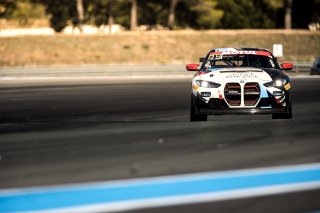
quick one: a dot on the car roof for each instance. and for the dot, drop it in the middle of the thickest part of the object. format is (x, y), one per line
(240, 48)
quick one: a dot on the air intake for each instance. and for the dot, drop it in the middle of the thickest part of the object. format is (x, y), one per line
(251, 94)
(232, 94)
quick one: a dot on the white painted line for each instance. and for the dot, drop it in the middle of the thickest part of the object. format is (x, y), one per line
(166, 179)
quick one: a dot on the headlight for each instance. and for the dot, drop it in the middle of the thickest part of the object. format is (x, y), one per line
(276, 83)
(280, 82)
(207, 84)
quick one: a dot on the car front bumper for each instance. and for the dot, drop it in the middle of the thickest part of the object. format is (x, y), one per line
(220, 107)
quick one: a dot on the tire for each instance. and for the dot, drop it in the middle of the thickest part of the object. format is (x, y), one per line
(194, 115)
(286, 115)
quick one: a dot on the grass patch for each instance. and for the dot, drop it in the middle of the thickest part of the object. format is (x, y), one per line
(145, 47)
(127, 47)
(150, 47)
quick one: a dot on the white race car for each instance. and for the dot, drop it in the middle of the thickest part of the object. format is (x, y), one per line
(240, 81)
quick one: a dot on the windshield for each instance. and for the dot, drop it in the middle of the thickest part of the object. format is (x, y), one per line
(245, 60)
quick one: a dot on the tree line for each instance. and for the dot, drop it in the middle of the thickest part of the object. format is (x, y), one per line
(174, 14)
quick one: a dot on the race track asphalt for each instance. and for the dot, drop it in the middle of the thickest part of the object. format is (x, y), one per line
(74, 132)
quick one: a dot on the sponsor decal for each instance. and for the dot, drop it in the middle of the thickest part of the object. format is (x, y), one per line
(287, 86)
(240, 52)
(233, 92)
(218, 57)
(215, 56)
(195, 87)
(241, 75)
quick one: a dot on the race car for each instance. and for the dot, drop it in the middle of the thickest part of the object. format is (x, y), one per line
(240, 81)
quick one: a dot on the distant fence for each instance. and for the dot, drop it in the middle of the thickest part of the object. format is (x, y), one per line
(302, 68)
(166, 70)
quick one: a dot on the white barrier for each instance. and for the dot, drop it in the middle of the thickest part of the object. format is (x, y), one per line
(27, 31)
(87, 30)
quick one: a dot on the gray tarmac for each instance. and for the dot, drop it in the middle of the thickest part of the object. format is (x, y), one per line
(84, 131)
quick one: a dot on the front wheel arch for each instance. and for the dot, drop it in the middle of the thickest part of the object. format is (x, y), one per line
(194, 112)
(285, 115)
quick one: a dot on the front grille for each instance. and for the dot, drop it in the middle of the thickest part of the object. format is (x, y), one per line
(251, 94)
(232, 94)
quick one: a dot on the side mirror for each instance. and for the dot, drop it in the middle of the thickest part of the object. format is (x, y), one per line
(192, 67)
(286, 66)
(201, 59)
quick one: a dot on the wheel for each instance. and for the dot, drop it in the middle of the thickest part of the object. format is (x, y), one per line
(286, 115)
(194, 115)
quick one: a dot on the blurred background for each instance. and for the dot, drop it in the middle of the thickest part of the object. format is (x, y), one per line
(152, 32)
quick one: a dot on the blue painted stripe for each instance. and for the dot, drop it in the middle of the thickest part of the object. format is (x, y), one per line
(264, 92)
(87, 194)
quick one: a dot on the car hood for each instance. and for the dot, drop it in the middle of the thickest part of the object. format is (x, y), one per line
(238, 73)
(275, 73)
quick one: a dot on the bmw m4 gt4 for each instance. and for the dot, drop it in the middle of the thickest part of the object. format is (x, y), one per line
(240, 81)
